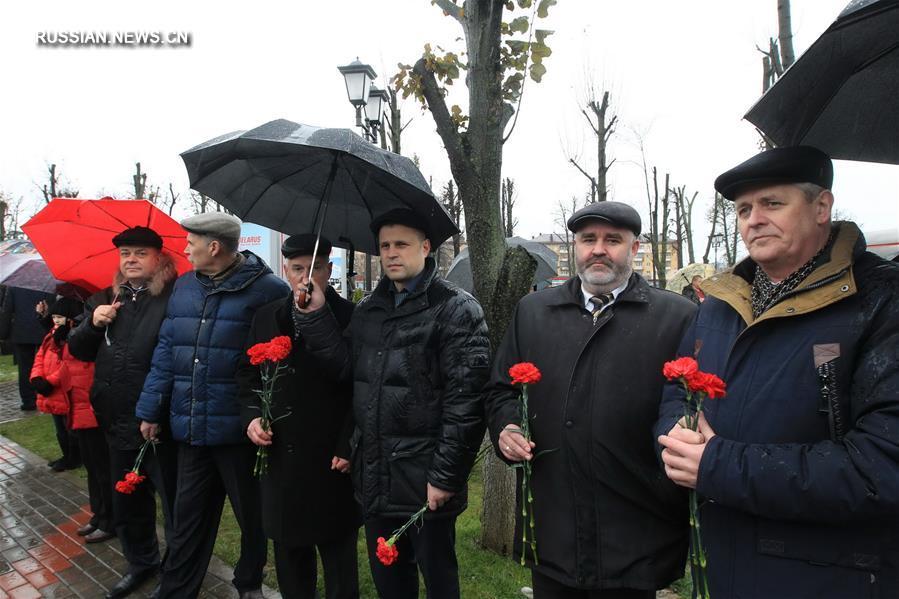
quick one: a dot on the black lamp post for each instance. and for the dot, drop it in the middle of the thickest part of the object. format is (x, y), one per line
(358, 78)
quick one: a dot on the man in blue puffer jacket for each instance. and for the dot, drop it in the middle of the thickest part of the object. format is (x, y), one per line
(192, 387)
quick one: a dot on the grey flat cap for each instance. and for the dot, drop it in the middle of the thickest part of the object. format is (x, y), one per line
(214, 224)
(615, 213)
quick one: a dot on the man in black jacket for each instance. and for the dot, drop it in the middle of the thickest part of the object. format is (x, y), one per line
(119, 334)
(608, 522)
(419, 358)
(307, 495)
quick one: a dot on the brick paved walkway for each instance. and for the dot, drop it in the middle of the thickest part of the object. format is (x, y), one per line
(40, 554)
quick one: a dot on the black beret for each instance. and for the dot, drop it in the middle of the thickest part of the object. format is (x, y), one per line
(303, 245)
(793, 164)
(399, 216)
(615, 213)
(143, 237)
(66, 306)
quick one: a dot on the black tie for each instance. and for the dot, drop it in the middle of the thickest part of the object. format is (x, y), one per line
(599, 302)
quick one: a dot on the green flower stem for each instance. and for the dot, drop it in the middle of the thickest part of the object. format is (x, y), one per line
(697, 553)
(399, 531)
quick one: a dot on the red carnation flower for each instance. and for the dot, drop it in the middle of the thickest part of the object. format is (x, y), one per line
(387, 552)
(524, 373)
(134, 478)
(123, 486)
(273, 351)
(682, 367)
(707, 383)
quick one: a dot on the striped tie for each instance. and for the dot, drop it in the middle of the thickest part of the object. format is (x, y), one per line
(599, 302)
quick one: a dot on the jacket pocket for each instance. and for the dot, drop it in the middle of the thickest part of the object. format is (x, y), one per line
(408, 462)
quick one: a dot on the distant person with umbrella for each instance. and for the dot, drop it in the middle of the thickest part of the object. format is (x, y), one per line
(307, 494)
(25, 332)
(798, 463)
(192, 390)
(419, 358)
(119, 333)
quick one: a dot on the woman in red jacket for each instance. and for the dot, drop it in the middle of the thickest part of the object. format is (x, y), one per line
(63, 385)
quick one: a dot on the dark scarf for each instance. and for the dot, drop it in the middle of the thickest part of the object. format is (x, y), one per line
(766, 293)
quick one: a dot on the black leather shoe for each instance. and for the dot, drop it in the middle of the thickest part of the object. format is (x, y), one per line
(98, 536)
(85, 530)
(129, 583)
(254, 594)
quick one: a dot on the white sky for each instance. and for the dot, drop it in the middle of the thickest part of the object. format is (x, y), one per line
(681, 73)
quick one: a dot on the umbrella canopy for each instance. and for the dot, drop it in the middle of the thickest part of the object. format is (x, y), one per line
(842, 95)
(460, 269)
(294, 178)
(74, 237)
(31, 274)
(684, 276)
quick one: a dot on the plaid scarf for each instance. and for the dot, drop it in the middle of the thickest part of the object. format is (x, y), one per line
(766, 293)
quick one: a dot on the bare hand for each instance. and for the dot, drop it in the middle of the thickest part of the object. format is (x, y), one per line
(41, 307)
(314, 299)
(340, 464)
(437, 497)
(683, 452)
(257, 434)
(149, 431)
(105, 314)
(513, 444)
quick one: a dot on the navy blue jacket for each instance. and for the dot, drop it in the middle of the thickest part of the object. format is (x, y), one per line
(26, 327)
(801, 481)
(199, 350)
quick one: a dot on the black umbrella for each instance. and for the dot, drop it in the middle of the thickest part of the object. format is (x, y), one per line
(460, 269)
(300, 179)
(842, 95)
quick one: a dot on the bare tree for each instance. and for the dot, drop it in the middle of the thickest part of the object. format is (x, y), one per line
(201, 204)
(507, 200)
(173, 199)
(659, 214)
(683, 208)
(724, 231)
(10, 210)
(53, 187)
(453, 204)
(779, 56)
(563, 213)
(602, 123)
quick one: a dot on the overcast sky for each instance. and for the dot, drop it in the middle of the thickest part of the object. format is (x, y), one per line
(682, 75)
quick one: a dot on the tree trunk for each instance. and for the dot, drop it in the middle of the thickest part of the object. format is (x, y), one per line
(785, 33)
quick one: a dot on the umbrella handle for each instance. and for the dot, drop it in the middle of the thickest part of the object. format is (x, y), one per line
(304, 296)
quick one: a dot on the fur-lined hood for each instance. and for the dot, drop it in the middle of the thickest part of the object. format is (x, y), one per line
(163, 275)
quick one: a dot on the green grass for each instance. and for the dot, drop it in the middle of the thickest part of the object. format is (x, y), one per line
(483, 574)
(8, 371)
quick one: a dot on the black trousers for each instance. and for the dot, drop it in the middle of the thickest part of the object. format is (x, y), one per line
(68, 441)
(297, 570)
(95, 455)
(430, 547)
(135, 514)
(547, 588)
(205, 476)
(24, 355)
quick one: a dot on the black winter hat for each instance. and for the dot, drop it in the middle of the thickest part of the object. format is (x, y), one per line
(66, 306)
(303, 245)
(399, 216)
(138, 237)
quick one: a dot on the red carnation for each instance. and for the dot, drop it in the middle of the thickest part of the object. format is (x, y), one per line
(134, 478)
(123, 486)
(682, 367)
(387, 552)
(524, 373)
(273, 351)
(707, 383)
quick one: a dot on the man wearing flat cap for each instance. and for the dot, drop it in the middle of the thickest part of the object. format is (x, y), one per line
(192, 390)
(307, 495)
(418, 357)
(118, 333)
(798, 465)
(608, 522)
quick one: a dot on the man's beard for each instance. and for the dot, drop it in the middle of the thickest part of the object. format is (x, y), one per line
(608, 279)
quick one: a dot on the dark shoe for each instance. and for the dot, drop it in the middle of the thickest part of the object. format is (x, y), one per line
(71, 465)
(25, 408)
(85, 530)
(254, 594)
(58, 466)
(129, 583)
(54, 462)
(98, 536)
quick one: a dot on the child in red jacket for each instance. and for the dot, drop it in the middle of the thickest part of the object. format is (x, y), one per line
(63, 385)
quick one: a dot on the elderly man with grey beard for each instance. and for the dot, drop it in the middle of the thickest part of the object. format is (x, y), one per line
(608, 523)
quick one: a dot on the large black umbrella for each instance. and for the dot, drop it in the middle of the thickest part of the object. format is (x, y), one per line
(460, 269)
(842, 95)
(296, 178)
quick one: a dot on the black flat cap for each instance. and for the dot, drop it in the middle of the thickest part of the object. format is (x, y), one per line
(615, 213)
(142, 237)
(399, 216)
(304, 245)
(792, 164)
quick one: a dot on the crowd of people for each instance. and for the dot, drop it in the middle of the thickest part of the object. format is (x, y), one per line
(384, 405)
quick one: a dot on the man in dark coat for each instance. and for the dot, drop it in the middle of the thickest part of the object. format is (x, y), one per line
(799, 463)
(192, 388)
(419, 358)
(307, 494)
(25, 333)
(608, 523)
(119, 332)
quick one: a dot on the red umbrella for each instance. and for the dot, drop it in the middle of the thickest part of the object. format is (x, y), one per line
(75, 237)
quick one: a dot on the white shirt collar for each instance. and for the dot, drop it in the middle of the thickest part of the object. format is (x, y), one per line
(615, 293)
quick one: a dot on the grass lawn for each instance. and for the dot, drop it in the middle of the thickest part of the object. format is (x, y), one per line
(483, 574)
(8, 371)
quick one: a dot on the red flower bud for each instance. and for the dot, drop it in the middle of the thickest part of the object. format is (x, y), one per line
(524, 373)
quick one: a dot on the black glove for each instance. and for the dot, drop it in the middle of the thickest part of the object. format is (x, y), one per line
(41, 385)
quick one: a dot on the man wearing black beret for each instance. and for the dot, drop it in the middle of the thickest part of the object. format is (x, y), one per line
(418, 357)
(608, 524)
(307, 495)
(797, 465)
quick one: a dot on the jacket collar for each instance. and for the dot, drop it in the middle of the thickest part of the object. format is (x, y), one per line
(829, 282)
(417, 299)
(637, 291)
(252, 268)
